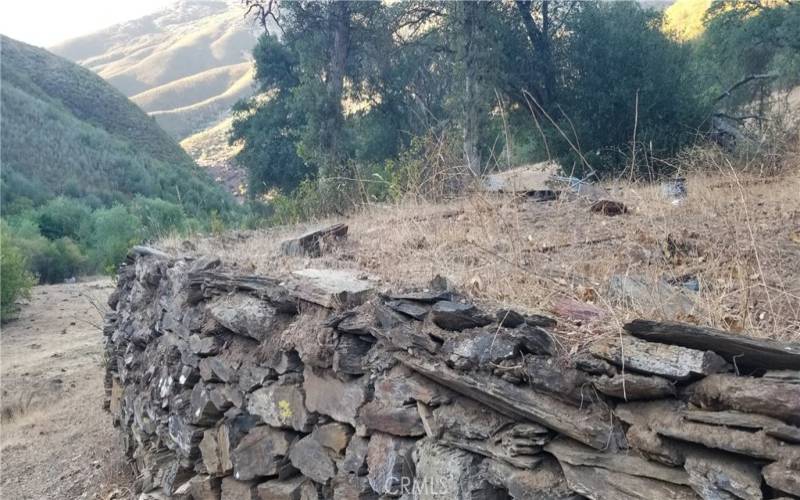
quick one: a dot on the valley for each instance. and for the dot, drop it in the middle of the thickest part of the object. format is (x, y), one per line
(185, 66)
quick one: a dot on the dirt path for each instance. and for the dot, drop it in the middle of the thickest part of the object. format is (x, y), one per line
(56, 439)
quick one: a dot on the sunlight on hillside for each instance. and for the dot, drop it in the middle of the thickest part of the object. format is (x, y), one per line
(684, 18)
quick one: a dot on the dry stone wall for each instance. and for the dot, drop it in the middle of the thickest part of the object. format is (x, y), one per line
(315, 385)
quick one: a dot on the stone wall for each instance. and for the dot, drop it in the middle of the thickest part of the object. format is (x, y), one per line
(320, 385)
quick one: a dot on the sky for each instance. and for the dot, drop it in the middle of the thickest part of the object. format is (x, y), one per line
(48, 22)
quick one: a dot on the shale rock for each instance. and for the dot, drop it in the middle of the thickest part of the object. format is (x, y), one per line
(457, 316)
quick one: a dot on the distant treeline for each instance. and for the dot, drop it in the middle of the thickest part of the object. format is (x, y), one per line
(377, 91)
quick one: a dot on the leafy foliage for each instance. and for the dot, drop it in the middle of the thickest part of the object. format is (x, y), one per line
(518, 81)
(67, 132)
(623, 79)
(15, 278)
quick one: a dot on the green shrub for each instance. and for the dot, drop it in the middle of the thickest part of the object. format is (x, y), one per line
(63, 218)
(114, 231)
(15, 278)
(624, 76)
(158, 217)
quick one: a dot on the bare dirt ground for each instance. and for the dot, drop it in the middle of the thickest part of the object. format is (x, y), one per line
(56, 439)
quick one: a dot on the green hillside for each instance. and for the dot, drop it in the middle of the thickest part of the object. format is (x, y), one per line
(185, 65)
(65, 131)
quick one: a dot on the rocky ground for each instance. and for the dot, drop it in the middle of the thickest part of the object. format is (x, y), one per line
(56, 440)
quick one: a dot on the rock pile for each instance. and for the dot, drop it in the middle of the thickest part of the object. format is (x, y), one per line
(318, 386)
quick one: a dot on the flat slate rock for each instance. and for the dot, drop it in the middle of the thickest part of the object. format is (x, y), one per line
(665, 417)
(652, 297)
(456, 316)
(748, 394)
(719, 475)
(771, 426)
(312, 243)
(669, 361)
(574, 453)
(630, 386)
(746, 352)
(589, 424)
(782, 477)
(426, 297)
(409, 308)
(331, 288)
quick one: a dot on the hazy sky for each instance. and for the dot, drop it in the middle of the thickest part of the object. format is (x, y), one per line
(47, 22)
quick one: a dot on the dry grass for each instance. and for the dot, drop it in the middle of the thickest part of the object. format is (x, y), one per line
(740, 236)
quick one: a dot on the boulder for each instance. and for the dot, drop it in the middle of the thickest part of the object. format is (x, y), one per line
(544, 482)
(355, 456)
(349, 354)
(719, 475)
(334, 436)
(349, 487)
(409, 308)
(475, 428)
(204, 487)
(608, 476)
(233, 489)
(587, 424)
(286, 489)
(783, 477)
(665, 418)
(649, 297)
(443, 472)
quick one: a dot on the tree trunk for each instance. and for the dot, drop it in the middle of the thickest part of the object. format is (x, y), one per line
(539, 37)
(471, 125)
(332, 134)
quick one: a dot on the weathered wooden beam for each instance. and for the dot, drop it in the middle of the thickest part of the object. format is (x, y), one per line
(743, 351)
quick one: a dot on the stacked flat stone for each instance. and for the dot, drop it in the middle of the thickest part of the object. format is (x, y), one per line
(314, 385)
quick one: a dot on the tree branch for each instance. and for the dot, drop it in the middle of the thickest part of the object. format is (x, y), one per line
(744, 81)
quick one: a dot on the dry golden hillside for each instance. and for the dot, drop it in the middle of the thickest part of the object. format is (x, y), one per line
(185, 65)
